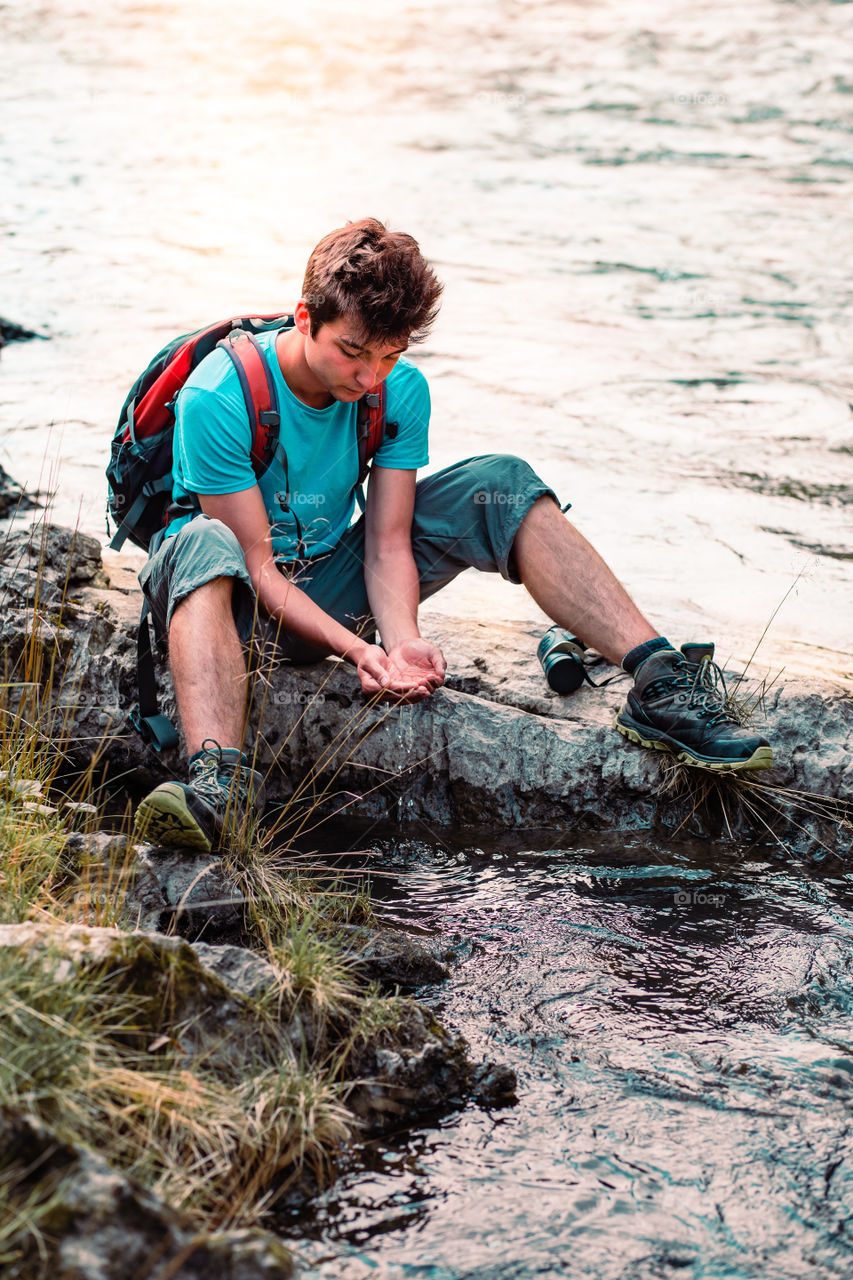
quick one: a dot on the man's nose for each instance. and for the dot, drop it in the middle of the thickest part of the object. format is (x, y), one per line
(368, 373)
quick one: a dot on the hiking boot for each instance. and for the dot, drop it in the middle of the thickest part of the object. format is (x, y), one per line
(678, 704)
(220, 795)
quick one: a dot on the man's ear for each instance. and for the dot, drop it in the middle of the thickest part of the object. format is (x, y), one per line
(302, 318)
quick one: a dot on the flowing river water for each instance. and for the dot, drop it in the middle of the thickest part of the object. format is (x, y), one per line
(680, 1024)
(641, 212)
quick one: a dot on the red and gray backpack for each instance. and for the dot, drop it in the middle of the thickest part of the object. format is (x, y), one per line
(140, 467)
(139, 473)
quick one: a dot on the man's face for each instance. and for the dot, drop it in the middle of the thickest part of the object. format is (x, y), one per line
(346, 362)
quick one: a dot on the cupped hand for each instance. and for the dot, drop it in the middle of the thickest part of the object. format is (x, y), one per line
(408, 673)
(418, 659)
(379, 676)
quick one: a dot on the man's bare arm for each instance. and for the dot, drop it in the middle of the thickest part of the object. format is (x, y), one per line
(245, 514)
(391, 575)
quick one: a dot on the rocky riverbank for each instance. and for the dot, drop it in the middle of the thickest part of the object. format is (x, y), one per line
(495, 746)
(209, 1024)
(158, 1096)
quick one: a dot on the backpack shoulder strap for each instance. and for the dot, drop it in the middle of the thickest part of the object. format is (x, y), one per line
(259, 392)
(372, 426)
(146, 717)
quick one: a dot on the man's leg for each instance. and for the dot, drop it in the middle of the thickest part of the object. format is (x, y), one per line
(494, 513)
(208, 666)
(571, 583)
(199, 590)
(528, 540)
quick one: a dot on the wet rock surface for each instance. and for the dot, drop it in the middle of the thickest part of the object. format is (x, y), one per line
(393, 958)
(494, 743)
(418, 1064)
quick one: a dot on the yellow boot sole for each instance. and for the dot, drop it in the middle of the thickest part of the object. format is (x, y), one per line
(761, 758)
(163, 817)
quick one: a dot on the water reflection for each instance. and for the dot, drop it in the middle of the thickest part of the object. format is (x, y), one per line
(679, 1019)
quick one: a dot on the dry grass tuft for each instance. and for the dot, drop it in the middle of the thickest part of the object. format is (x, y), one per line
(738, 806)
(76, 1053)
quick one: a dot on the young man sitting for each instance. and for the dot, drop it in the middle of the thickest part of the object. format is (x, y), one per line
(281, 554)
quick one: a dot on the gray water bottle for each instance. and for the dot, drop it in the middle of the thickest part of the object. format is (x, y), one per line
(561, 655)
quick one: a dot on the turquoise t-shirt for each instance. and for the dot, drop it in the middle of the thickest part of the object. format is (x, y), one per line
(213, 439)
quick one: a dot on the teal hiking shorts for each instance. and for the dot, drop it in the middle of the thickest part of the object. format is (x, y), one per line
(466, 516)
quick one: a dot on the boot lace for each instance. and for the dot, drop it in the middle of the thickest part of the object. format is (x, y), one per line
(219, 781)
(704, 690)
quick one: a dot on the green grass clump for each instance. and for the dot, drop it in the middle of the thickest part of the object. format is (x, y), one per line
(33, 865)
(217, 1137)
(304, 927)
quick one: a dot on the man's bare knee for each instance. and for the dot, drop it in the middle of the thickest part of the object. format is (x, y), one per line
(213, 594)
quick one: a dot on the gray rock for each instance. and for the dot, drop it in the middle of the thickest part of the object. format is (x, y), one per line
(99, 1225)
(198, 899)
(391, 958)
(494, 1085)
(50, 558)
(164, 891)
(412, 1066)
(416, 1066)
(494, 747)
(241, 970)
(12, 497)
(176, 995)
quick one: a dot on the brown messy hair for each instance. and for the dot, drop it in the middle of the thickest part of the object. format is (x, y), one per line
(377, 277)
